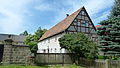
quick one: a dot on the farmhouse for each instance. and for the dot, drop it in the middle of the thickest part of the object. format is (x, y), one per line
(79, 21)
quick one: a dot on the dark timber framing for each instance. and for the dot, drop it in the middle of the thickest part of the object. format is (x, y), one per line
(79, 21)
(85, 23)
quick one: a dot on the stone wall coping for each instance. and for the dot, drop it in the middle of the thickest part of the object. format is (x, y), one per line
(21, 45)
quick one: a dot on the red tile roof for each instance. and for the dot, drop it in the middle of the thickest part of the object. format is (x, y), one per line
(98, 26)
(61, 26)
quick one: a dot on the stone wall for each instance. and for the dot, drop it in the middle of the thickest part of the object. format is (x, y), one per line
(14, 50)
(16, 54)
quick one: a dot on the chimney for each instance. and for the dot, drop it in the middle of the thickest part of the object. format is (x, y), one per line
(67, 15)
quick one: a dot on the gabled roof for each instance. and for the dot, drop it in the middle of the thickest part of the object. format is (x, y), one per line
(61, 26)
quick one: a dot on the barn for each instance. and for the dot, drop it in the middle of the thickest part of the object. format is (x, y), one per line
(79, 21)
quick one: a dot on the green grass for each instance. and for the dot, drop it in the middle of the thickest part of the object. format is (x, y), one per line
(66, 66)
(53, 66)
(17, 66)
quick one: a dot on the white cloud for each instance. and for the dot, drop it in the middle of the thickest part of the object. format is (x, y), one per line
(12, 19)
(93, 7)
(43, 7)
(96, 8)
(102, 17)
(13, 12)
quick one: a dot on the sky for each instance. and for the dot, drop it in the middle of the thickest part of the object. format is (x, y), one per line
(16, 16)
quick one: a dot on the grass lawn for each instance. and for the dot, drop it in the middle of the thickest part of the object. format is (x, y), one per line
(55, 66)
(17, 66)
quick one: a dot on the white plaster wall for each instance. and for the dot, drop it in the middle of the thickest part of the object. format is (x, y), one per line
(52, 44)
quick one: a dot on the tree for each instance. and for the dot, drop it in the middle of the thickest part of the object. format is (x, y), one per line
(38, 34)
(32, 40)
(25, 33)
(79, 44)
(115, 12)
(109, 32)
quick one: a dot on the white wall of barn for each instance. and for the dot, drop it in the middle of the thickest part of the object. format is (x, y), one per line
(51, 45)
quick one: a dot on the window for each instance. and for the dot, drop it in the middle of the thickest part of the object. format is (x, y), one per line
(78, 23)
(55, 50)
(87, 29)
(71, 28)
(55, 39)
(78, 29)
(83, 13)
(51, 50)
(79, 17)
(74, 23)
(48, 40)
(44, 51)
(75, 20)
(82, 29)
(91, 26)
(94, 35)
(86, 18)
(70, 32)
(80, 13)
(87, 24)
(93, 31)
(82, 24)
(82, 17)
(75, 32)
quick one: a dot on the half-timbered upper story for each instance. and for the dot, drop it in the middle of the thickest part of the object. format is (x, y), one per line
(79, 21)
(83, 23)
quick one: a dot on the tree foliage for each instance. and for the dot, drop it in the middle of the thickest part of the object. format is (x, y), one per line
(109, 32)
(32, 40)
(115, 12)
(25, 33)
(79, 44)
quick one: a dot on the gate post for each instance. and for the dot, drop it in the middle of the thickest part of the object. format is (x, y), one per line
(107, 63)
(7, 53)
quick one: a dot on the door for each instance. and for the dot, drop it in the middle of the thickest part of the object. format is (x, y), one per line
(1, 52)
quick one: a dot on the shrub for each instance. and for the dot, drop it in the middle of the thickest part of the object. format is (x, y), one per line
(103, 57)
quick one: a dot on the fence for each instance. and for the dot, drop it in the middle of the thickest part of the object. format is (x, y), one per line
(68, 58)
(114, 64)
(53, 58)
(99, 63)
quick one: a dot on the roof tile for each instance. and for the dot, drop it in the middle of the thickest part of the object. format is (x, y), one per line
(61, 26)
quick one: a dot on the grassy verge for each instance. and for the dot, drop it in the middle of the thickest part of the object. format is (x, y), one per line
(17, 66)
(53, 66)
(66, 66)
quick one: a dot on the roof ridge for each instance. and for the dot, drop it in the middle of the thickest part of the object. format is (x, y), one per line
(61, 26)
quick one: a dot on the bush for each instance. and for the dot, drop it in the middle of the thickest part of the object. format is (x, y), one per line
(114, 58)
(80, 44)
(103, 57)
(118, 58)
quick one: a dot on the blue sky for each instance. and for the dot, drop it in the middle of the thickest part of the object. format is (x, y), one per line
(17, 16)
